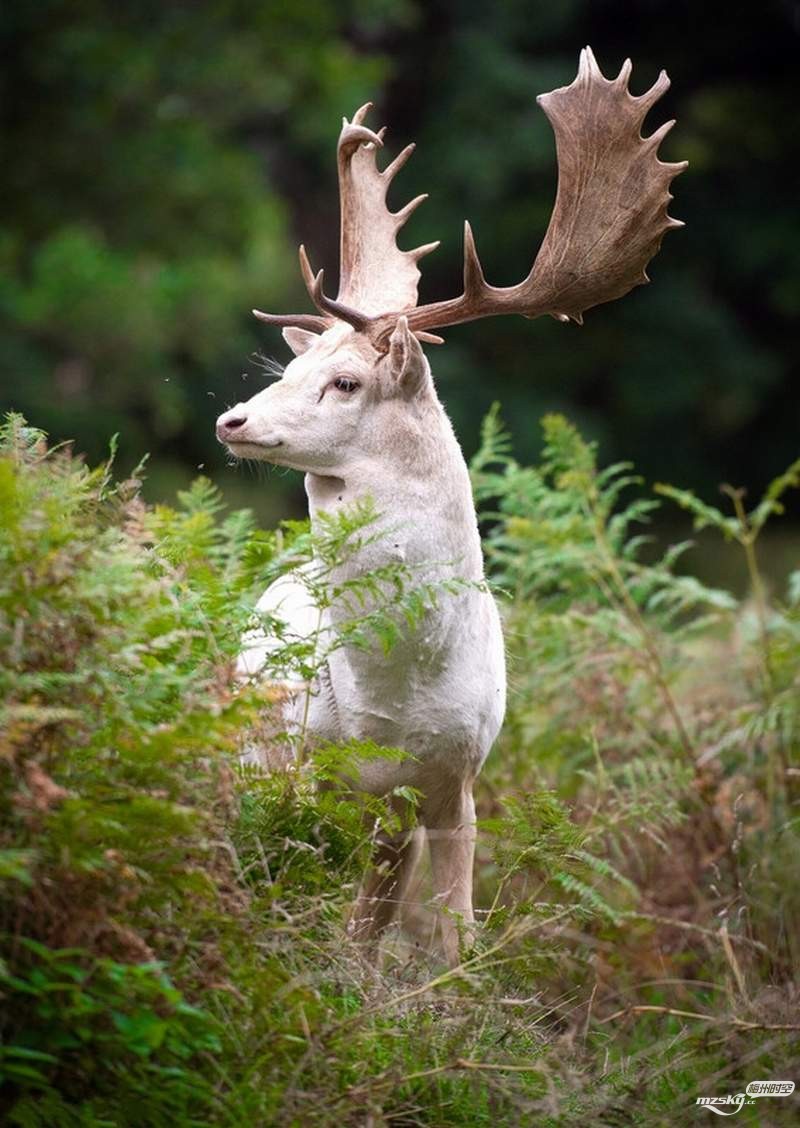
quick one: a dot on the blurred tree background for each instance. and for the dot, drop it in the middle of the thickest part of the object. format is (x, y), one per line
(163, 159)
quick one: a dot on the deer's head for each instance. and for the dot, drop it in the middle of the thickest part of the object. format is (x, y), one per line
(358, 362)
(339, 401)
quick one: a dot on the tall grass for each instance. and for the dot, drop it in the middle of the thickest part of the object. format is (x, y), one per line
(171, 924)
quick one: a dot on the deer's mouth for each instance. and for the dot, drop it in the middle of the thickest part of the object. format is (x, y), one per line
(249, 448)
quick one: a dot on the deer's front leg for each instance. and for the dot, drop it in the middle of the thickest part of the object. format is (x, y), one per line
(449, 818)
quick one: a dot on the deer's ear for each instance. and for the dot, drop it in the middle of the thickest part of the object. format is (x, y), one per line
(299, 340)
(407, 361)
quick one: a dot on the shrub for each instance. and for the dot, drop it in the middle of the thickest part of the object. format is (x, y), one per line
(171, 923)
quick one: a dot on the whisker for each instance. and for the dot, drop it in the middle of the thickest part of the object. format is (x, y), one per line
(271, 367)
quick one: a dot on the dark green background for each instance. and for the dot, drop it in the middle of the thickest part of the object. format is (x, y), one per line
(162, 160)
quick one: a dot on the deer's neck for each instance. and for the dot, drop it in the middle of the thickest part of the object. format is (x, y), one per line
(418, 481)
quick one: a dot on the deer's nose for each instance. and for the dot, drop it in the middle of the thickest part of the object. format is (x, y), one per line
(231, 422)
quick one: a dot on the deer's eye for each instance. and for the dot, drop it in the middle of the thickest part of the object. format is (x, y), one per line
(346, 384)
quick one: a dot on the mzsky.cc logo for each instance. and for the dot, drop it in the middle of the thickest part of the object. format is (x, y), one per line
(732, 1103)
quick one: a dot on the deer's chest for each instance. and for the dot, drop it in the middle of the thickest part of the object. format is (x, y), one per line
(440, 693)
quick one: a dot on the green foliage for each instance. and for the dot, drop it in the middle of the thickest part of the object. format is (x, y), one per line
(295, 831)
(121, 1032)
(139, 229)
(172, 942)
(652, 720)
(537, 834)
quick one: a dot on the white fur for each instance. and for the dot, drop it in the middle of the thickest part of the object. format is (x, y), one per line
(440, 693)
(288, 600)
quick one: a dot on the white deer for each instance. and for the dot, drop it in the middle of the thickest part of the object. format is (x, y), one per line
(358, 412)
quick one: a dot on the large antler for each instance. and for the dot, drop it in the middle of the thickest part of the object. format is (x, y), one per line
(375, 275)
(609, 218)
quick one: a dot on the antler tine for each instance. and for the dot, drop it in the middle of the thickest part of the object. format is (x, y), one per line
(658, 135)
(651, 96)
(408, 209)
(587, 65)
(297, 320)
(331, 310)
(306, 271)
(425, 249)
(477, 296)
(474, 280)
(360, 114)
(354, 133)
(394, 166)
(624, 74)
(334, 309)
(338, 309)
